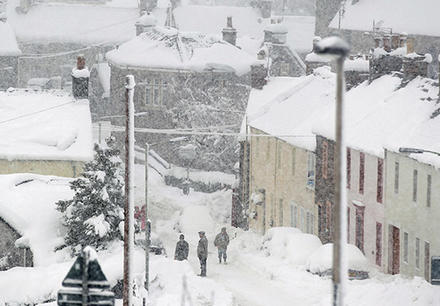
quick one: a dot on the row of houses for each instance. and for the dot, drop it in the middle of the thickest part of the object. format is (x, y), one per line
(287, 163)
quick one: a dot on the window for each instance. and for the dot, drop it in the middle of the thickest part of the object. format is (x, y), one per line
(417, 253)
(379, 193)
(378, 244)
(396, 177)
(428, 190)
(361, 172)
(348, 168)
(284, 69)
(348, 224)
(302, 219)
(294, 215)
(311, 170)
(268, 148)
(154, 92)
(405, 247)
(293, 160)
(359, 242)
(279, 156)
(312, 224)
(414, 186)
(280, 213)
(308, 222)
(324, 165)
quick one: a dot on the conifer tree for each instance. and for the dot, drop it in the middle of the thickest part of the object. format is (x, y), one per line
(94, 214)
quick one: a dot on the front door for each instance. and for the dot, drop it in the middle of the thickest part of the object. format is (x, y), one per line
(395, 250)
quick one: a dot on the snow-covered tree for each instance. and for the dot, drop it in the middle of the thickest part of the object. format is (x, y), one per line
(94, 214)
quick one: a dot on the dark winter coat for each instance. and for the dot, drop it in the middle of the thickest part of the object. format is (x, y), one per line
(202, 248)
(182, 249)
(221, 240)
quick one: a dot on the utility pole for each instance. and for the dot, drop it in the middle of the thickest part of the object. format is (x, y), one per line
(127, 293)
(147, 222)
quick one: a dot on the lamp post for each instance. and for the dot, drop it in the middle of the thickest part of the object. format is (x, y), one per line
(338, 49)
(416, 151)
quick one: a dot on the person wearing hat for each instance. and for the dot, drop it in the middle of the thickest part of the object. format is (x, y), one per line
(221, 242)
(182, 249)
(202, 252)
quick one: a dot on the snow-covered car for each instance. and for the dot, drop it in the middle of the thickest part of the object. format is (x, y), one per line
(320, 262)
(156, 244)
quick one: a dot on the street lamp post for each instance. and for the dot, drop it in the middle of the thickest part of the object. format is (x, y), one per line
(338, 49)
(416, 151)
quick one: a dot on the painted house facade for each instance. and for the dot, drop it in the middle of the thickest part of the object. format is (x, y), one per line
(412, 213)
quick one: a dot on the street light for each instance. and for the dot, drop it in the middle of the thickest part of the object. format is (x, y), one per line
(147, 221)
(337, 49)
(416, 151)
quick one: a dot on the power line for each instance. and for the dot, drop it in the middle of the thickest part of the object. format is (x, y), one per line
(34, 113)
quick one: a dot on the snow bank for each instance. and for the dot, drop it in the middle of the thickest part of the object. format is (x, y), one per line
(44, 126)
(207, 177)
(290, 244)
(321, 259)
(27, 203)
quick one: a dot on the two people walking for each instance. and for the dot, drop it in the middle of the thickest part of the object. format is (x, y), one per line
(221, 242)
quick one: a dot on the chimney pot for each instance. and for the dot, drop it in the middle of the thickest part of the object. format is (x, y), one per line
(80, 79)
(229, 22)
(229, 33)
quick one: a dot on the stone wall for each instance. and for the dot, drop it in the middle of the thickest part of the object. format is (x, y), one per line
(8, 72)
(10, 256)
(44, 167)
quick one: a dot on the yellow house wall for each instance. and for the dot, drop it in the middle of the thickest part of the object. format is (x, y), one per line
(44, 167)
(271, 169)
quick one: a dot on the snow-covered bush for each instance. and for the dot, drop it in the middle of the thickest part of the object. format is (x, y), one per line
(290, 244)
(93, 215)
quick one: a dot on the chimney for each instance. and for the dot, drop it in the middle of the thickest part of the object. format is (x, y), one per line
(403, 38)
(258, 75)
(395, 41)
(387, 42)
(265, 8)
(80, 79)
(145, 23)
(229, 33)
(276, 32)
(415, 65)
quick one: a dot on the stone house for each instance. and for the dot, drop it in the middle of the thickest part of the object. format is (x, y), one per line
(174, 71)
(359, 21)
(56, 140)
(51, 35)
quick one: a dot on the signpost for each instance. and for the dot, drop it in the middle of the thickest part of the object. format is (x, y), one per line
(85, 284)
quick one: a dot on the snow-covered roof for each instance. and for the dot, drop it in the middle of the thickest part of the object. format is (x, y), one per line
(287, 106)
(27, 203)
(8, 46)
(44, 126)
(109, 22)
(168, 48)
(413, 17)
(381, 115)
(246, 20)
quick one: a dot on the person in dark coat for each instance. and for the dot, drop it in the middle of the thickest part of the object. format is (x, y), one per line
(182, 249)
(202, 253)
(221, 242)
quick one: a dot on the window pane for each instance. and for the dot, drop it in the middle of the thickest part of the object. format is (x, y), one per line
(415, 185)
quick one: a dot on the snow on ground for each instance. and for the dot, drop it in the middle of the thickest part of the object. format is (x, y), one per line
(261, 270)
(59, 128)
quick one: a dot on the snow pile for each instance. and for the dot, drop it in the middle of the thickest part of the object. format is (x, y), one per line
(27, 203)
(44, 126)
(400, 15)
(170, 49)
(290, 244)
(98, 225)
(318, 58)
(321, 259)
(357, 64)
(8, 46)
(190, 214)
(81, 73)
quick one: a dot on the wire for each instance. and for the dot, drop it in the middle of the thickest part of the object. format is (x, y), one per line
(34, 113)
